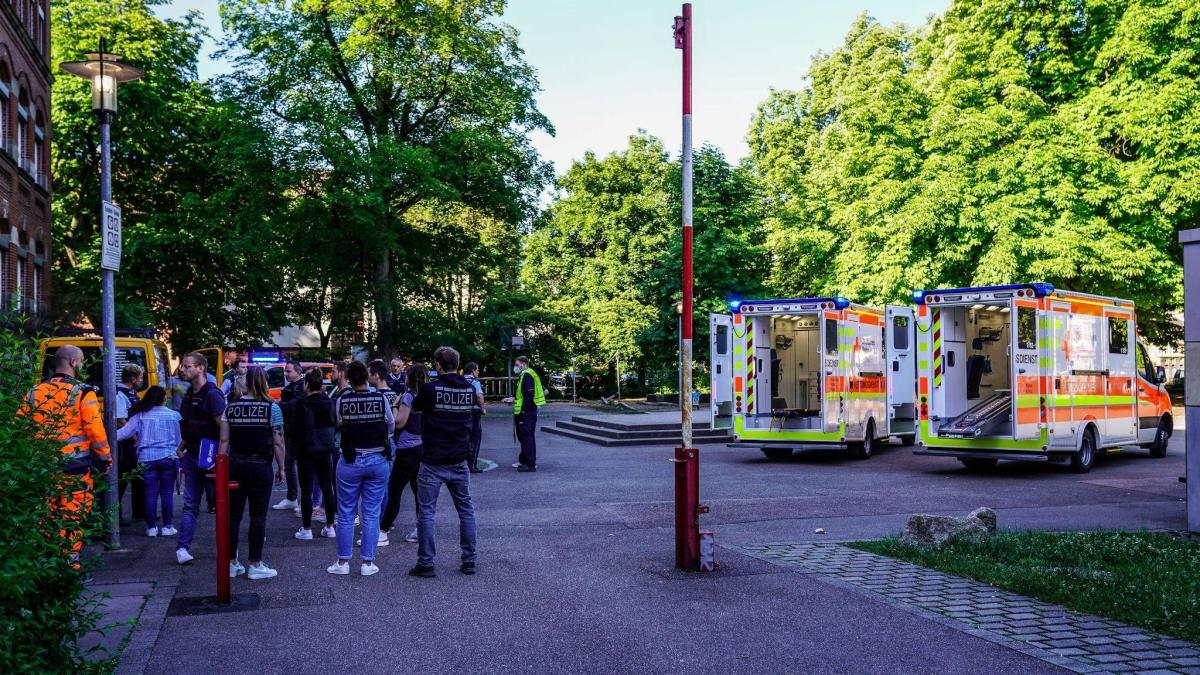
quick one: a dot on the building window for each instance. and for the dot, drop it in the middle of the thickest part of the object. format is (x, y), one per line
(35, 295)
(39, 140)
(19, 287)
(22, 129)
(4, 277)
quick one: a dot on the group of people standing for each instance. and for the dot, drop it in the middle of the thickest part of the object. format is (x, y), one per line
(380, 431)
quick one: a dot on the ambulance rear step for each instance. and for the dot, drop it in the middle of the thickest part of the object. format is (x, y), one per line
(982, 420)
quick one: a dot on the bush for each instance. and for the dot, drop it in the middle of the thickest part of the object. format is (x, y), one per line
(44, 606)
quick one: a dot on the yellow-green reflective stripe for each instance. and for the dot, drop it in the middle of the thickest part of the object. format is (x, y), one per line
(870, 394)
(1093, 400)
(922, 345)
(1028, 401)
(1045, 362)
(923, 364)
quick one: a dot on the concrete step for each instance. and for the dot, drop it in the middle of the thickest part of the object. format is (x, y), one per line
(634, 426)
(642, 432)
(633, 439)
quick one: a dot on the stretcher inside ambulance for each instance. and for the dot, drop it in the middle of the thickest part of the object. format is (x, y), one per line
(798, 371)
(1032, 372)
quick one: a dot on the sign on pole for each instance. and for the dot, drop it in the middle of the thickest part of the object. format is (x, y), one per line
(110, 236)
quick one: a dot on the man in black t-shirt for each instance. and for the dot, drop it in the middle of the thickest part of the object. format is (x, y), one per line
(445, 406)
(202, 409)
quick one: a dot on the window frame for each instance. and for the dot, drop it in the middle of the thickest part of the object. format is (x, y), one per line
(1022, 314)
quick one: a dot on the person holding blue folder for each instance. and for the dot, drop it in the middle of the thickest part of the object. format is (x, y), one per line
(203, 424)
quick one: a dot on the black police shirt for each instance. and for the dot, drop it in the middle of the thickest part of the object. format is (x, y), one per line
(445, 406)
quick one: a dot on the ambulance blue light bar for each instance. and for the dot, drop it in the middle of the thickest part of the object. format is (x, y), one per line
(1038, 288)
(792, 305)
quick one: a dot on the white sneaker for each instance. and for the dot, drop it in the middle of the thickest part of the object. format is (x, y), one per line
(383, 539)
(304, 534)
(151, 531)
(285, 504)
(260, 570)
(296, 512)
(168, 531)
(236, 569)
(183, 557)
(357, 521)
(368, 568)
(329, 532)
(412, 536)
(516, 465)
(339, 568)
(318, 515)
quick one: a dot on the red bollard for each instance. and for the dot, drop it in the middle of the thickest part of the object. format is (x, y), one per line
(223, 486)
(687, 509)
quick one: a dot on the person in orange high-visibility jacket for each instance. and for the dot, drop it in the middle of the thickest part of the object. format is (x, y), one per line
(69, 409)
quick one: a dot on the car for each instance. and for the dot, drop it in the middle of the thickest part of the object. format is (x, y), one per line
(276, 380)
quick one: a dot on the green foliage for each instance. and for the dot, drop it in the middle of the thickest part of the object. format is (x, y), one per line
(1002, 142)
(195, 179)
(44, 608)
(1147, 579)
(606, 255)
(408, 125)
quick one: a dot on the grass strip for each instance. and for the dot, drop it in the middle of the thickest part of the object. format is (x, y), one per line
(1146, 579)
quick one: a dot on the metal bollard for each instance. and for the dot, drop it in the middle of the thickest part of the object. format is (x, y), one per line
(223, 487)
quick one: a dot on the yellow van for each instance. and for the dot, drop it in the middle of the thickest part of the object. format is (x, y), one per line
(140, 347)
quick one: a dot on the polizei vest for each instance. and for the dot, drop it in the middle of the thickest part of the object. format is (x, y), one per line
(250, 432)
(364, 422)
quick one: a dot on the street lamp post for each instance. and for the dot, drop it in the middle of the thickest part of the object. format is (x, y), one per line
(105, 70)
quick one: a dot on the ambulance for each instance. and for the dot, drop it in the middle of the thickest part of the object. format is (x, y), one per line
(1031, 372)
(801, 371)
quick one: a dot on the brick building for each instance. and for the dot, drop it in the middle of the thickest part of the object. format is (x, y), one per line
(25, 156)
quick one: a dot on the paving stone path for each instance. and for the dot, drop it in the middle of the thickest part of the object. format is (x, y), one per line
(1066, 638)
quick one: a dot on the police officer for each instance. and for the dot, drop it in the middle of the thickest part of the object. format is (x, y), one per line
(366, 423)
(395, 376)
(445, 406)
(471, 375)
(252, 436)
(530, 397)
(67, 410)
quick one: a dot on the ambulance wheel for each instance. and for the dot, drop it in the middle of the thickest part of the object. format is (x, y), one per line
(777, 453)
(978, 463)
(1158, 449)
(1085, 456)
(863, 449)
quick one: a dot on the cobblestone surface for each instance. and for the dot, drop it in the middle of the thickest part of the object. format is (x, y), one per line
(1076, 641)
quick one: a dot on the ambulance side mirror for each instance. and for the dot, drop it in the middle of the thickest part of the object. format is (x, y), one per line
(1160, 375)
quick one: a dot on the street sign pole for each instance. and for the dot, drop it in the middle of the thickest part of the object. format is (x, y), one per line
(108, 331)
(1190, 239)
(687, 458)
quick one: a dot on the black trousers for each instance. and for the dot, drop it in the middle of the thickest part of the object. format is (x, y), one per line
(318, 465)
(253, 477)
(476, 439)
(289, 470)
(127, 462)
(526, 423)
(404, 473)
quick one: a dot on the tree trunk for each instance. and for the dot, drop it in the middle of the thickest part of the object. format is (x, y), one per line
(385, 311)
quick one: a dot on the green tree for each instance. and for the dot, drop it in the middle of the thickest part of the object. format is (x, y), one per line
(385, 107)
(196, 182)
(1002, 142)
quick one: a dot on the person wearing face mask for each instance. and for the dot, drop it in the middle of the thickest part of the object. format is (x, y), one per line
(530, 396)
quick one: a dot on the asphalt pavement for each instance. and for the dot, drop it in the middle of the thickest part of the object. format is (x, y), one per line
(576, 568)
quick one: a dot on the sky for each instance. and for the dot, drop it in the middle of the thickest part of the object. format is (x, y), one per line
(609, 69)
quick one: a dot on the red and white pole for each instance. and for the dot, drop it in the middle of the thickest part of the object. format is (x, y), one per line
(687, 459)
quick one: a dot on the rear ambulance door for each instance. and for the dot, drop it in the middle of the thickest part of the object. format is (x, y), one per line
(1059, 400)
(1026, 370)
(721, 369)
(833, 380)
(1120, 401)
(900, 367)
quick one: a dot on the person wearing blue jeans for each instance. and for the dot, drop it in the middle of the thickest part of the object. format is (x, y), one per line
(202, 411)
(366, 423)
(156, 430)
(446, 406)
